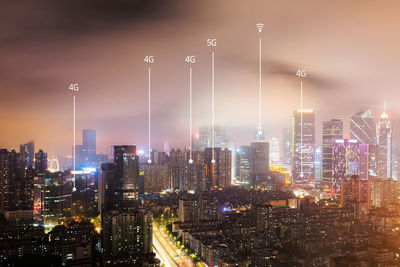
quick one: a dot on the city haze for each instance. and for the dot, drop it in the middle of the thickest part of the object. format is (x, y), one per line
(349, 49)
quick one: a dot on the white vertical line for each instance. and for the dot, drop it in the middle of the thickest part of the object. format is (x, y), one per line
(190, 111)
(212, 108)
(301, 129)
(74, 136)
(149, 113)
(259, 87)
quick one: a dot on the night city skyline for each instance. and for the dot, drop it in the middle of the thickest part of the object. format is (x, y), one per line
(199, 133)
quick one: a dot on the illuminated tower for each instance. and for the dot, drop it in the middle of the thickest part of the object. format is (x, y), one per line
(331, 130)
(259, 161)
(362, 126)
(384, 147)
(318, 164)
(242, 164)
(346, 160)
(41, 161)
(218, 174)
(27, 152)
(303, 142)
(395, 162)
(126, 175)
(274, 150)
(287, 148)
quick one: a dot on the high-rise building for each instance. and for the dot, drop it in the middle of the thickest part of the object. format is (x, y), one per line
(177, 163)
(127, 236)
(89, 145)
(318, 164)
(259, 161)
(107, 197)
(230, 145)
(261, 216)
(19, 185)
(331, 130)
(126, 175)
(384, 191)
(5, 176)
(54, 201)
(363, 168)
(346, 160)
(218, 165)
(204, 138)
(395, 162)
(40, 161)
(242, 164)
(356, 193)
(220, 136)
(303, 142)
(384, 147)
(274, 150)
(287, 148)
(27, 152)
(362, 126)
(156, 178)
(188, 210)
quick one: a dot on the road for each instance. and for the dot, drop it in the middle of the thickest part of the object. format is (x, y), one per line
(167, 251)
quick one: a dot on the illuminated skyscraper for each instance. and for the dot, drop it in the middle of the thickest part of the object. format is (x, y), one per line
(27, 152)
(126, 175)
(395, 162)
(274, 150)
(218, 174)
(287, 148)
(362, 126)
(384, 147)
(303, 146)
(364, 161)
(356, 193)
(318, 164)
(259, 161)
(41, 161)
(331, 130)
(5, 176)
(242, 164)
(346, 160)
(106, 183)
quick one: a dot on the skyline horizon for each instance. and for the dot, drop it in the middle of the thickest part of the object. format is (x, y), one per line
(160, 146)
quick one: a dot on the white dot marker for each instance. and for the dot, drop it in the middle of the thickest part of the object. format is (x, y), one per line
(149, 161)
(213, 161)
(73, 189)
(190, 161)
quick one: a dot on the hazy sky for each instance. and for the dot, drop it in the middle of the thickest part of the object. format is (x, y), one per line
(349, 48)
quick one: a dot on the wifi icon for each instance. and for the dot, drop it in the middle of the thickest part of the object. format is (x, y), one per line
(260, 26)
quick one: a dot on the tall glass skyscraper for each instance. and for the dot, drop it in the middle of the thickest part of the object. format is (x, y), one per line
(303, 146)
(259, 162)
(384, 147)
(287, 148)
(126, 176)
(346, 160)
(331, 130)
(362, 126)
